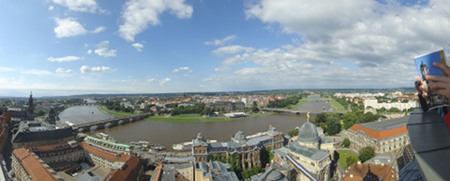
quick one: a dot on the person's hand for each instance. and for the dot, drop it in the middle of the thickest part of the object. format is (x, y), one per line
(421, 87)
(441, 84)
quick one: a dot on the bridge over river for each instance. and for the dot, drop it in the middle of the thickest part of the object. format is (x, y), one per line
(107, 123)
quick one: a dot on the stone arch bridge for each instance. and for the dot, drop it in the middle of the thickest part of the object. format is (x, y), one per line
(108, 123)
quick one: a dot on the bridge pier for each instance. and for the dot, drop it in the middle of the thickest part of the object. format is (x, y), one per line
(93, 126)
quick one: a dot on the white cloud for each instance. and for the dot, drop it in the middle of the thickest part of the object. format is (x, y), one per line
(89, 51)
(150, 80)
(64, 59)
(36, 72)
(223, 41)
(164, 81)
(87, 69)
(51, 8)
(336, 46)
(139, 14)
(232, 49)
(99, 29)
(78, 5)
(138, 46)
(61, 70)
(6, 69)
(68, 27)
(104, 50)
(185, 68)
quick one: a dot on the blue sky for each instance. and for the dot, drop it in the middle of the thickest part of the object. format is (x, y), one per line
(63, 47)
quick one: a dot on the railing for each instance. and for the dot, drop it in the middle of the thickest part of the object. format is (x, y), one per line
(430, 139)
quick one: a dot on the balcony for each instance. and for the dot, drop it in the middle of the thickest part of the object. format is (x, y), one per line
(430, 139)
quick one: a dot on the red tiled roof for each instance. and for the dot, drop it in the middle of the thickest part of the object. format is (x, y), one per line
(356, 172)
(104, 154)
(377, 134)
(32, 166)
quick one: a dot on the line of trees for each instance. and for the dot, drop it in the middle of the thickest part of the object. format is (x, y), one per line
(331, 122)
(116, 106)
(284, 102)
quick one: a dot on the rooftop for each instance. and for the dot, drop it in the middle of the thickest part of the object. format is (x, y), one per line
(311, 153)
(357, 172)
(386, 124)
(35, 169)
(36, 131)
(382, 129)
(104, 153)
(128, 171)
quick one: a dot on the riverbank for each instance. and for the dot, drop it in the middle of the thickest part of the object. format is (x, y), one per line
(193, 118)
(115, 113)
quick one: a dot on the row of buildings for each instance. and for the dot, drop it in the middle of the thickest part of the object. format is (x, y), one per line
(51, 162)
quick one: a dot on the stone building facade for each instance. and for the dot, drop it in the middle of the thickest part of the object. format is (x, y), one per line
(248, 148)
(59, 156)
(384, 136)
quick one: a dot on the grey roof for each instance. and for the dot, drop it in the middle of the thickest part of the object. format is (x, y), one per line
(271, 174)
(168, 173)
(219, 172)
(258, 140)
(312, 153)
(308, 133)
(178, 159)
(386, 124)
(33, 131)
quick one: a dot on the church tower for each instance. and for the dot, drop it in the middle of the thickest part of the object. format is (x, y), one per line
(30, 109)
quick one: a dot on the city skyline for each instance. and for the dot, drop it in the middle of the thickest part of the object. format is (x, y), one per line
(61, 47)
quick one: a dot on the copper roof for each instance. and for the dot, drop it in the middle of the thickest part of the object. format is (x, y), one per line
(357, 171)
(380, 134)
(114, 157)
(32, 166)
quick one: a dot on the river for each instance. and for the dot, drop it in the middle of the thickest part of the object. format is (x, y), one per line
(167, 134)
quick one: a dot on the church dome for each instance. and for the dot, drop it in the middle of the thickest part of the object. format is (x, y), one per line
(308, 133)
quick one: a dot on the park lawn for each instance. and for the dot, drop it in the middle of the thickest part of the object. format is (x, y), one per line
(336, 105)
(300, 103)
(115, 113)
(192, 118)
(343, 154)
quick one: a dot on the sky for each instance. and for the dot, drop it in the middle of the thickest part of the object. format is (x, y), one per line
(69, 47)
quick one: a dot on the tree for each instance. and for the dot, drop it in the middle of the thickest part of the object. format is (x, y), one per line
(333, 127)
(346, 143)
(293, 132)
(366, 153)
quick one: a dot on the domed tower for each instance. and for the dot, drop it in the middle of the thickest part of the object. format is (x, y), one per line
(308, 135)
